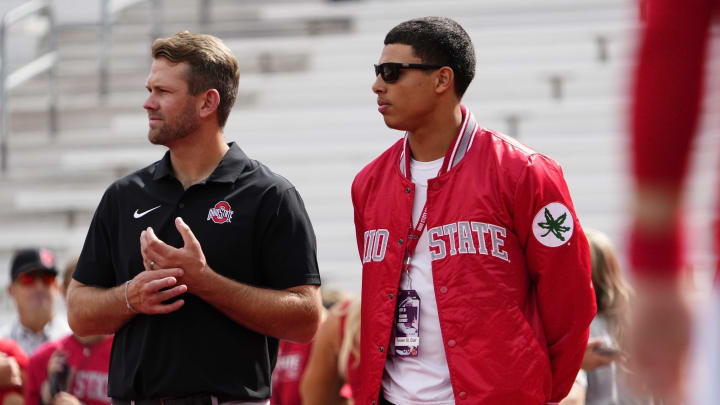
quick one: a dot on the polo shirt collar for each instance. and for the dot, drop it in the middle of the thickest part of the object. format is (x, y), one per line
(232, 165)
(163, 168)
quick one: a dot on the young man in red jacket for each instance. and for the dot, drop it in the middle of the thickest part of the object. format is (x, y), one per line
(476, 272)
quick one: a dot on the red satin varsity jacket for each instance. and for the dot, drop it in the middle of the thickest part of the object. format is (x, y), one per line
(510, 264)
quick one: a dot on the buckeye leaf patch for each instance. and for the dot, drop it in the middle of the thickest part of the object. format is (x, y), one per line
(553, 225)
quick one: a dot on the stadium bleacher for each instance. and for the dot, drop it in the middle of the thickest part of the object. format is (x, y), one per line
(551, 72)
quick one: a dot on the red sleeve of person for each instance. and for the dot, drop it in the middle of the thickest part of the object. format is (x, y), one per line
(12, 350)
(668, 91)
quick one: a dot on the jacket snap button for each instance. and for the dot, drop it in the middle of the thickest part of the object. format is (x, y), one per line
(390, 296)
(400, 242)
(372, 402)
(451, 343)
(382, 349)
(463, 395)
(443, 290)
(408, 190)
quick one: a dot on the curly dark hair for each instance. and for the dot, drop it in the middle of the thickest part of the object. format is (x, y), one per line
(439, 41)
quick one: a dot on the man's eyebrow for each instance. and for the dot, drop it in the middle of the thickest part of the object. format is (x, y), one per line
(158, 87)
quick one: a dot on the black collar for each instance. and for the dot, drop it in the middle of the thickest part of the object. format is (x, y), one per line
(232, 165)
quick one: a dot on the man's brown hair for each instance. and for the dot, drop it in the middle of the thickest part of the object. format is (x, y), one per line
(212, 66)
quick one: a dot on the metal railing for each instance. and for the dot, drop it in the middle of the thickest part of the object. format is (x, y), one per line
(49, 60)
(45, 62)
(108, 9)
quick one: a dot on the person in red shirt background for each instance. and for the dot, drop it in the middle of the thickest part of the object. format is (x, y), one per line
(72, 370)
(291, 362)
(668, 89)
(293, 359)
(332, 376)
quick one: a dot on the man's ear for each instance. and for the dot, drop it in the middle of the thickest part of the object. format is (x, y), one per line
(445, 80)
(11, 290)
(209, 103)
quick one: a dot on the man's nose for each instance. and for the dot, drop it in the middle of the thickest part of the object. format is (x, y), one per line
(150, 103)
(378, 85)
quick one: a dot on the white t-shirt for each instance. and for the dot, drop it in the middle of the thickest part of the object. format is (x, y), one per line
(424, 379)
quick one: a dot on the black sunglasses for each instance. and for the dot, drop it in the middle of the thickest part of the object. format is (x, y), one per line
(390, 71)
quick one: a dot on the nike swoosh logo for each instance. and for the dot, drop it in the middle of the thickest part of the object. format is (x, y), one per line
(137, 214)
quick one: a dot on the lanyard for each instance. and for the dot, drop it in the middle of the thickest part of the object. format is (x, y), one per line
(414, 233)
(466, 133)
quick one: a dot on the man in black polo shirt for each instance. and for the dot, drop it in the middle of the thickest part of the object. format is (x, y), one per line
(201, 261)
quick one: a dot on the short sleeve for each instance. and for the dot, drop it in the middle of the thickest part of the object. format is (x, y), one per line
(95, 265)
(288, 250)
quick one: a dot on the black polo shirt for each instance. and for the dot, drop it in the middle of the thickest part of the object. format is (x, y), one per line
(253, 228)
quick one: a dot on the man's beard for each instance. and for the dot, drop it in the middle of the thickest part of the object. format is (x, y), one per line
(185, 124)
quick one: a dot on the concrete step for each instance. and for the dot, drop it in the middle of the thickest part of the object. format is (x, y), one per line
(145, 32)
(37, 119)
(84, 111)
(40, 177)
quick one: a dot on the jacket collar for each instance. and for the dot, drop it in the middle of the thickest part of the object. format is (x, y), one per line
(458, 148)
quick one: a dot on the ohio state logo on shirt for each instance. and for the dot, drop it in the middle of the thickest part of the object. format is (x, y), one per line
(553, 225)
(221, 213)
